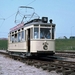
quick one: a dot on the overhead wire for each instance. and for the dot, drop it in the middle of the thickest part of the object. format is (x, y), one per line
(31, 2)
(10, 16)
(5, 19)
(1, 16)
(2, 23)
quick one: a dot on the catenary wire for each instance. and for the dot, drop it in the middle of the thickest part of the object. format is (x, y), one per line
(31, 2)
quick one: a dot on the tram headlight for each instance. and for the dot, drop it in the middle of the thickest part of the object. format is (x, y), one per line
(45, 19)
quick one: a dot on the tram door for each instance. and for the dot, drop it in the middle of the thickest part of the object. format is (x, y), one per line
(28, 40)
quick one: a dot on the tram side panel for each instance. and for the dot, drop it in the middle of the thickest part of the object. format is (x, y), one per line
(17, 47)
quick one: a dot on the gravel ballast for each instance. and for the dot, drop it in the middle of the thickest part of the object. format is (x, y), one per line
(9, 66)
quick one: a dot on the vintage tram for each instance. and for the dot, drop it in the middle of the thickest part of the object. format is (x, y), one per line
(36, 37)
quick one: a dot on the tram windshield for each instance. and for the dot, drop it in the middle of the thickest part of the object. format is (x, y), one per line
(44, 33)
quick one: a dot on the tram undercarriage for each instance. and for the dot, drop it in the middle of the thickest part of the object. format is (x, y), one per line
(28, 54)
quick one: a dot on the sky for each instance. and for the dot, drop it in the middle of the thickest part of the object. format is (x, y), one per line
(61, 11)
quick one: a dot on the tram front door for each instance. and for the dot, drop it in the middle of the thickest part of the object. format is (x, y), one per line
(28, 40)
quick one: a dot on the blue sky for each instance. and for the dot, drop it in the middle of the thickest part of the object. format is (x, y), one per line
(61, 11)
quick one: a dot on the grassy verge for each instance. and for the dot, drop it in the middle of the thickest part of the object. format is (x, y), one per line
(3, 44)
(65, 44)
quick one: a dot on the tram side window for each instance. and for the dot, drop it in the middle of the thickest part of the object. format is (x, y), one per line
(36, 33)
(25, 34)
(15, 37)
(22, 35)
(19, 36)
(12, 38)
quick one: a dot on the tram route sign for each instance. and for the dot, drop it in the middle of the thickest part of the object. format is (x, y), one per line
(16, 27)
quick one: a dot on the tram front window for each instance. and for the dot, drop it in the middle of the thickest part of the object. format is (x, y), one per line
(36, 33)
(44, 33)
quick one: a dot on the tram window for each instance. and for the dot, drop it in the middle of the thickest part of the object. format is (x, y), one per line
(15, 37)
(12, 38)
(22, 35)
(31, 33)
(25, 34)
(44, 33)
(53, 33)
(36, 33)
(19, 36)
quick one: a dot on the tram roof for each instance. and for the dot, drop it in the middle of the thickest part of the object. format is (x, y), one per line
(32, 22)
(39, 23)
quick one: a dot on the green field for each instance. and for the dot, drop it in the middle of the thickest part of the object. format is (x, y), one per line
(60, 44)
(3, 44)
(65, 44)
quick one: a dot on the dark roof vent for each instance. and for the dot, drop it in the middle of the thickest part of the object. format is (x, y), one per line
(45, 19)
(50, 20)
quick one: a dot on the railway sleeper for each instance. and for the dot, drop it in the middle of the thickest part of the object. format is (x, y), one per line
(73, 73)
(73, 70)
(72, 67)
(19, 59)
(23, 60)
(66, 65)
(31, 63)
(59, 69)
(51, 67)
(67, 71)
(64, 62)
(44, 67)
(44, 64)
(37, 65)
(28, 62)
(15, 58)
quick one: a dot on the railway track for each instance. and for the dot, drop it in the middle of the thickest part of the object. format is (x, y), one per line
(49, 64)
(70, 54)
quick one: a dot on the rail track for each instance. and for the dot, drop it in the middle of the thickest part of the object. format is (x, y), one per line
(58, 64)
(70, 54)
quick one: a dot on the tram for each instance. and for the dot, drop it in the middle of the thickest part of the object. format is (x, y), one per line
(33, 38)
(36, 37)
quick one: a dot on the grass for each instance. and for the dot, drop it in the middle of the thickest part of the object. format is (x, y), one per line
(65, 44)
(3, 44)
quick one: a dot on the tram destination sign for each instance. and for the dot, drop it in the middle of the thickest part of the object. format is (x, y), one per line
(17, 27)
